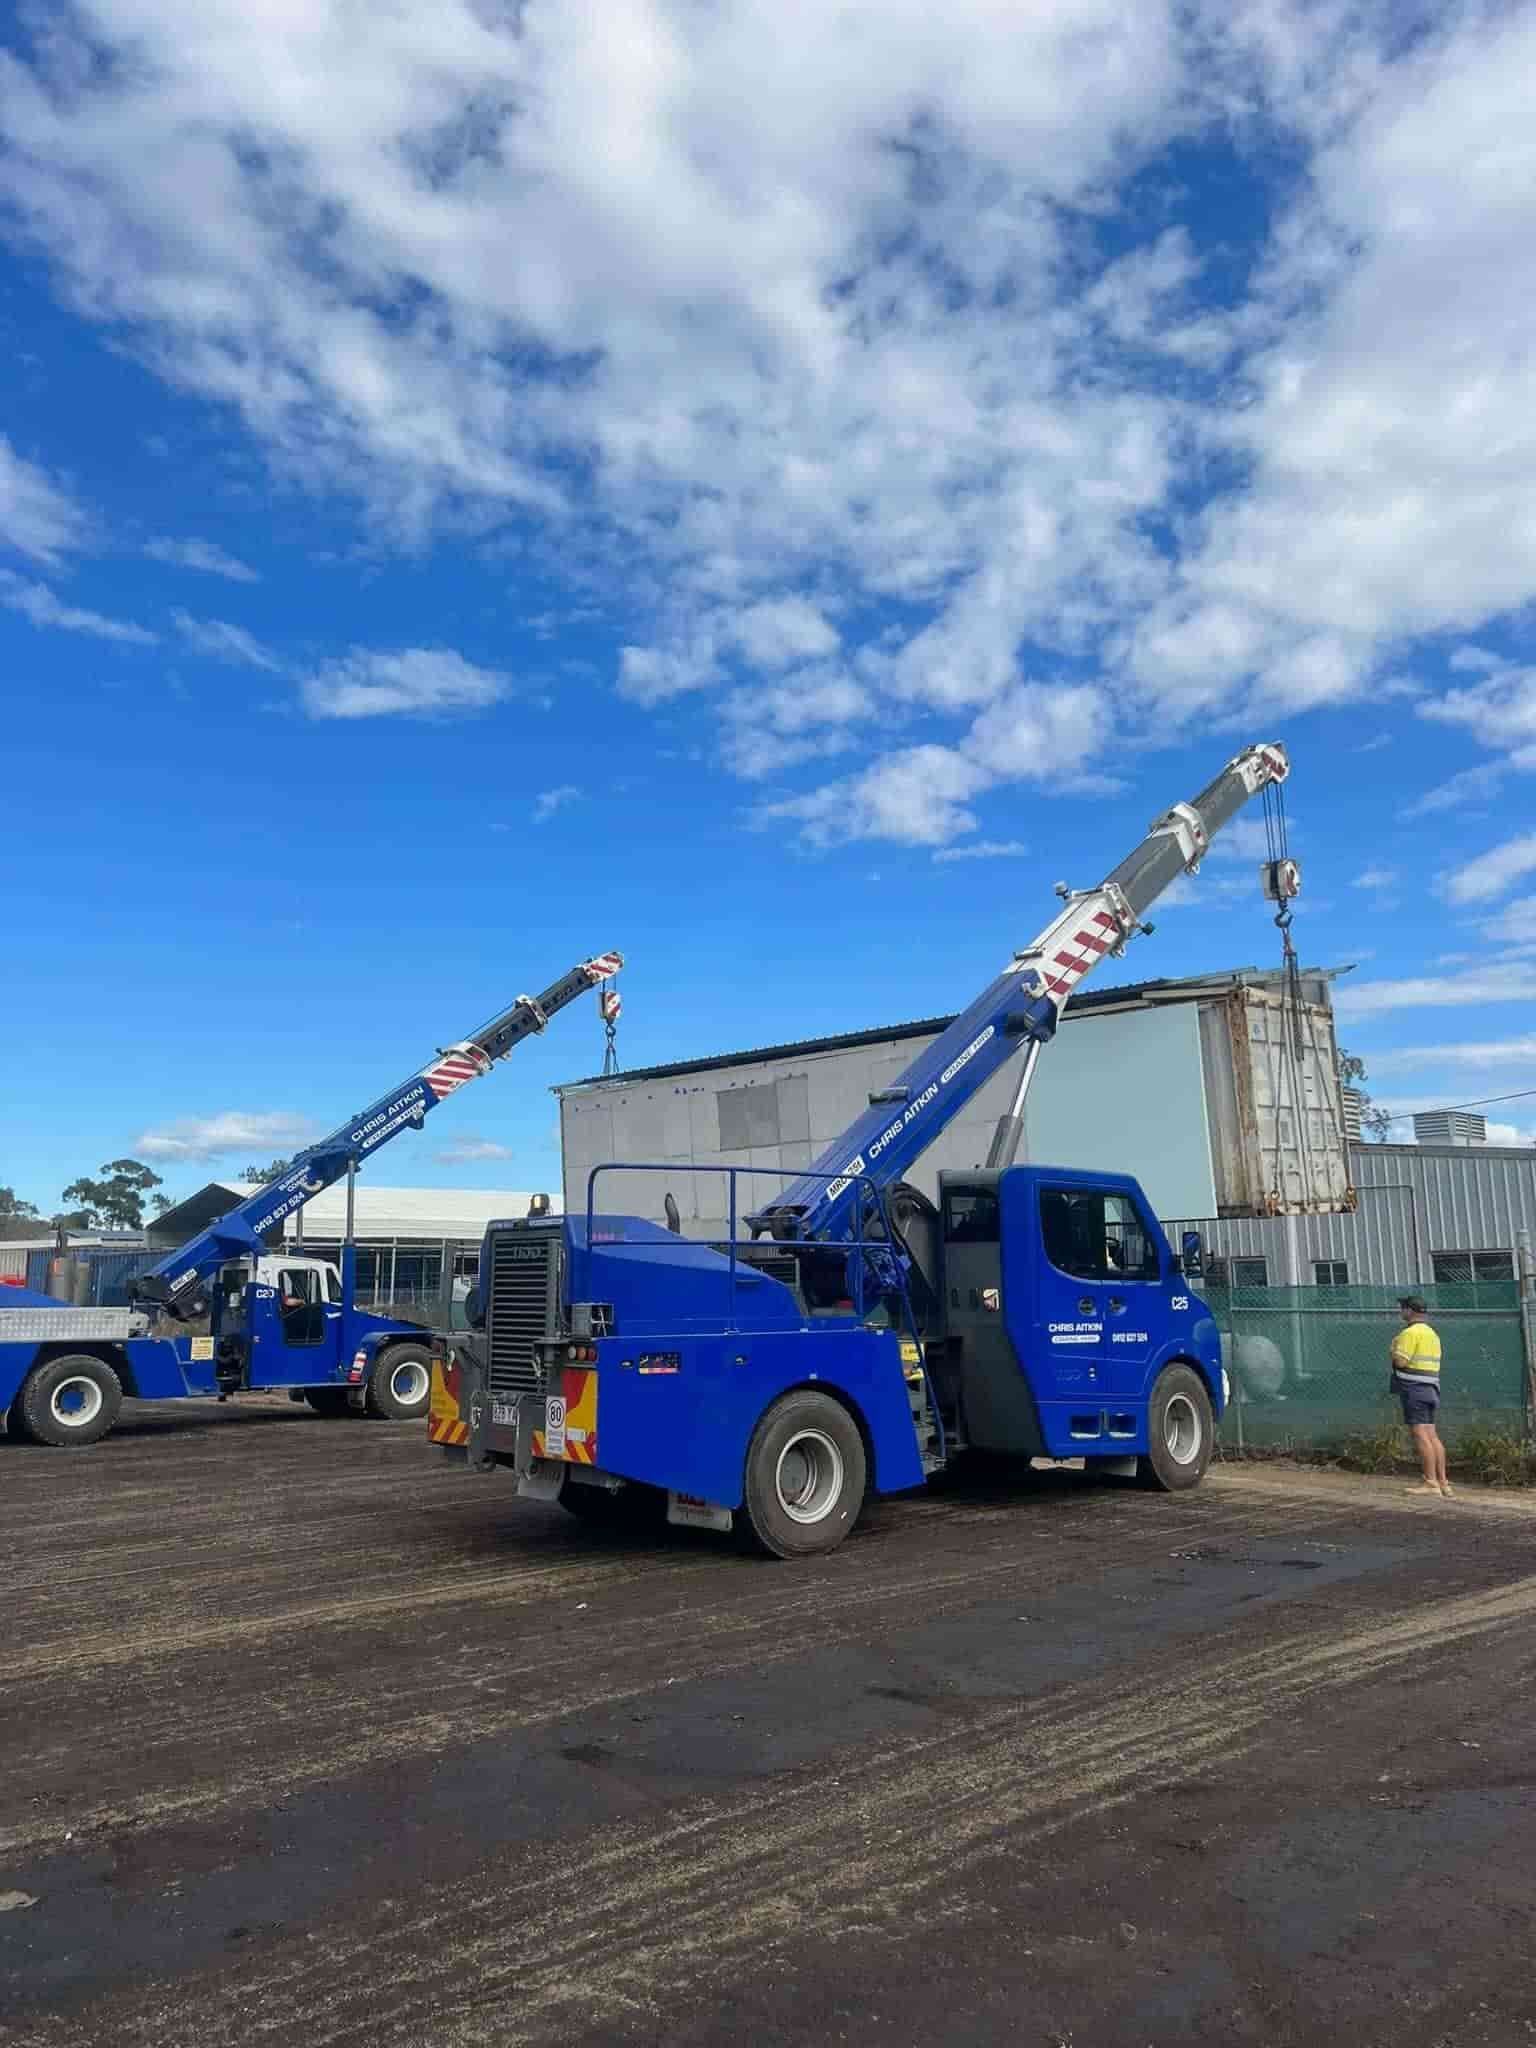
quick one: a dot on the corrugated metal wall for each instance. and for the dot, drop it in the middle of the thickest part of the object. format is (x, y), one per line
(1413, 1201)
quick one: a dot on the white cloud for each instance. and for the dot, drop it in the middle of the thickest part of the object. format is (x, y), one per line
(1500, 711)
(38, 517)
(1509, 982)
(220, 641)
(1375, 878)
(1509, 1134)
(35, 601)
(1518, 1050)
(419, 682)
(231, 1131)
(469, 1150)
(824, 320)
(549, 801)
(1491, 873)
(1514, 925)
(916, 797)
(202, 555)
(786, 630)
(983, 849)
(1457, 792)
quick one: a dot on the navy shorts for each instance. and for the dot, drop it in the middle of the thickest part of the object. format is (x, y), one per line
(1420, 1404)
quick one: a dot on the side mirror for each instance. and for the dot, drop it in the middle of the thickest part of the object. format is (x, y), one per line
(473, 1313)
(1191, 1255)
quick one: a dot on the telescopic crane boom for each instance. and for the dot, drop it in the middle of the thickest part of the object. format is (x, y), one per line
(1020, 1010)
(176, 1284)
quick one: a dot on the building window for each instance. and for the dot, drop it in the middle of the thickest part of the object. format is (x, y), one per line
(1330, 1273)
(1459, 1269)
(1236, 1273)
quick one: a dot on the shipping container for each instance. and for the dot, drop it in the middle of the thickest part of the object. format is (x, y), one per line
(1274, 1105)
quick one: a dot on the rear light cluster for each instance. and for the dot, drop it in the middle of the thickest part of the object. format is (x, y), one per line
(571, 1354)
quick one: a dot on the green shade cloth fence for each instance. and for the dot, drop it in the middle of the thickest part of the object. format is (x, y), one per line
(1309, 1364)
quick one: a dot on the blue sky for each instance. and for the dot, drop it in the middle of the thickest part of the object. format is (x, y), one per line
(765, 494)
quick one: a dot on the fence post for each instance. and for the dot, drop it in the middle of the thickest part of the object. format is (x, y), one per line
(1525, 1267)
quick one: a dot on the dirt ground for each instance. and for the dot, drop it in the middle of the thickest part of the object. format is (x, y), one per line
(308, 1738)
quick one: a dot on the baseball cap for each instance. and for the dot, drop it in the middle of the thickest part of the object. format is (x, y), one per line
(1414, 1304)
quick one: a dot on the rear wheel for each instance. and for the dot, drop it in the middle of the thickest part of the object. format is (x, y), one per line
(1181, 1431)
(806, 1475)
(400, 1385)
(68, 1401)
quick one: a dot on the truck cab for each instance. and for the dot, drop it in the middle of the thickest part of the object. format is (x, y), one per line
(1059, 1307)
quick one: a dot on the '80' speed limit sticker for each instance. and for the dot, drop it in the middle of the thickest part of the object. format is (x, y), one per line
(554, 1426)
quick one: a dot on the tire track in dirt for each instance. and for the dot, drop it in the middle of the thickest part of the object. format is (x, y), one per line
(610, 1926)
(362, 1720)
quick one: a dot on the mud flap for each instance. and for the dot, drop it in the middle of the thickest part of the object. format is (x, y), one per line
(474, 1404)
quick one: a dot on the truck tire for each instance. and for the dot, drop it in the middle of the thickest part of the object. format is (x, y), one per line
(806, 1475)
(331, 1402)
(1181, 1431)
(400, 1385)
(68, 1401)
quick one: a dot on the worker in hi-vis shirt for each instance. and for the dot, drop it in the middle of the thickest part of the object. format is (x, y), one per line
(1416, 1382)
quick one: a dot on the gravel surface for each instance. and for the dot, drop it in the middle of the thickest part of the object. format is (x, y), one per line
(310, 1738)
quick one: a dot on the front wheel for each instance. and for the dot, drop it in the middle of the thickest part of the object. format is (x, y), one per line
(1181, 1431)
(806, 1475)
(400, 1385)
(68, 1401)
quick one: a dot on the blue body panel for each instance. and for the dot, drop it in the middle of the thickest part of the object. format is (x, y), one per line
(740, 1340)
(689, 1429)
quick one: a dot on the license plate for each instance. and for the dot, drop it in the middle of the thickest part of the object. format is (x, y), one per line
(554, 1427)
(504, 1414)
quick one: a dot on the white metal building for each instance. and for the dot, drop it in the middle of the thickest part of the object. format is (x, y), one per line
(1135, 1081)
(1123, 1087)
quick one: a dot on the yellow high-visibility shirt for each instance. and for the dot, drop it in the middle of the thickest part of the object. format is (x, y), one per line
(1416, 1351)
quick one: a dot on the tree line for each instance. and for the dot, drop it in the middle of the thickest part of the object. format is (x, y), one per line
(115, 1198)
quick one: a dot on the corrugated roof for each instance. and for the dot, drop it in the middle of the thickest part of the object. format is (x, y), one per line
(413, 1212)
(924, 1027)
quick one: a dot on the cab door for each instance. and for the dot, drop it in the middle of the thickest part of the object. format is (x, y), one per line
(300, 1334)
(1100, 1291)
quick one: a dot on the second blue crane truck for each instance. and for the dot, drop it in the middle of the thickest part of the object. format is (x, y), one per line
(859, 1336)
(277, 1319)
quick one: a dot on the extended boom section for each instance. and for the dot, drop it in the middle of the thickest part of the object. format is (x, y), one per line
(176, 1284)
(1020, 1010)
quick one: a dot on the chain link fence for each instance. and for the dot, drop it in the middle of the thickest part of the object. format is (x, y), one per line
(1309, 1365)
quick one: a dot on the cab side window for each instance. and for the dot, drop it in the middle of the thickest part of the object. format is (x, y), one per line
(1097, 1234)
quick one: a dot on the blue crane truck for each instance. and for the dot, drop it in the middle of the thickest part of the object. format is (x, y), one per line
(276, 1319)
(858, 1337)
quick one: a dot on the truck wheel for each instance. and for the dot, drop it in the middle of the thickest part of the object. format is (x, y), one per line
(69, 1401)
(329, 1401)
(1180, 1429)
(400, 1385)
(806, 1474)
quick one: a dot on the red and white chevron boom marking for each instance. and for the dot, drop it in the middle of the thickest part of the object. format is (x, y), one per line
(602, 965)
(451, 1069)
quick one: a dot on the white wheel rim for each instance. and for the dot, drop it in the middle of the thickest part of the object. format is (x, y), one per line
(409, 1383)
(808, 1479)
(76, 1402)
(1183, 1433)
